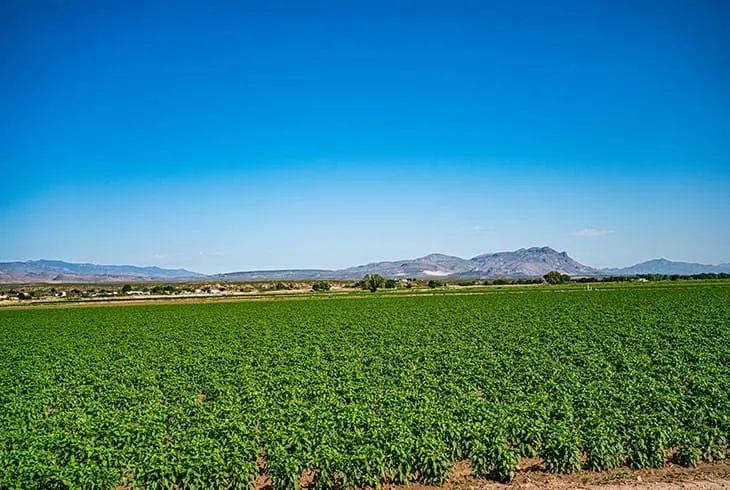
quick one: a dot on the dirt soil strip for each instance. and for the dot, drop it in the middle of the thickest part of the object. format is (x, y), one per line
(706, 476)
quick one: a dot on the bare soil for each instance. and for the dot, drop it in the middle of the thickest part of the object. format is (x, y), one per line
(530, 474)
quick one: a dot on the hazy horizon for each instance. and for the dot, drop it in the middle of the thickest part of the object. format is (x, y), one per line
(285, 135)
(338, 268)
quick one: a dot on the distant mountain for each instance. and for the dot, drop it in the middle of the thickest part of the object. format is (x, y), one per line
(664, 266)
(431, 265)
(60, 271)
(525, 262)
(277, 275)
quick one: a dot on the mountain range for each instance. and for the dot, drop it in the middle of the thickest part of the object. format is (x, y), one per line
(664, 266)
(32, 271)
(525, 262)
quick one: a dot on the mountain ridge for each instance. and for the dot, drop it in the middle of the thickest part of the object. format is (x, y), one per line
(665, 266)
(523, 262)
(60, 271)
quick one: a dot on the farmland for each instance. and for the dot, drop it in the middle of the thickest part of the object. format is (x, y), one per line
(362, 391)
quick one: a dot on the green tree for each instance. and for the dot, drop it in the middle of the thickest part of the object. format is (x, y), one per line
(321, 286)
(126, 288)
(555, 277)
(391, 284)
(373, 282)
(435, 284)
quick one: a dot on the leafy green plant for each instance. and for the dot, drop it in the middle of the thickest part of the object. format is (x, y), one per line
(385, 389)
(604, 450)
(648, 448)
(562, 450)
(493, 458)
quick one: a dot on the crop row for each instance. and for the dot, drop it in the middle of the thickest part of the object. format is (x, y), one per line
(357, 392)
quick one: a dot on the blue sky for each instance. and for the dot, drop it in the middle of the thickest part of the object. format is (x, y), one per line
(223, 136)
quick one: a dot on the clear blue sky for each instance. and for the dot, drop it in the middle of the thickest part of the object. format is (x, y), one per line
(223, 136)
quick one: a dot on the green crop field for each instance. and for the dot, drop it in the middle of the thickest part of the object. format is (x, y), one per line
(361, 391)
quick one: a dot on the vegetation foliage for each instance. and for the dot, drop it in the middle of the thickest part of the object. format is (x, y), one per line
(321, 286)
(555, 277)
(357, 392)
(373, 282)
